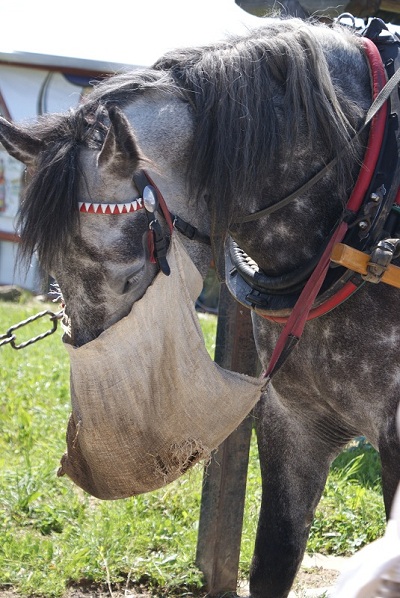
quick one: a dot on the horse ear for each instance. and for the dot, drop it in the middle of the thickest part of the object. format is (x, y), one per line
(120, 152)
(18, 143)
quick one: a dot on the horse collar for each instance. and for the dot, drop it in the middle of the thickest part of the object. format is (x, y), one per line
(367, 216)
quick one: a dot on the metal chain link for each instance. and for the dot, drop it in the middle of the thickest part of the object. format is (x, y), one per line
(10, 338)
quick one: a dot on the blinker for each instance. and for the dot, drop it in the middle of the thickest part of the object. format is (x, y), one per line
(150, 199)
(157, 240)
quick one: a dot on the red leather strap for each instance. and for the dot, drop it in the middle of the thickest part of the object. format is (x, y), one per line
(377, 129)
(295, 325)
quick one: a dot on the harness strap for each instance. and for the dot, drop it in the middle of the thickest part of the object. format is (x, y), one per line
(191, 232)
(141, 180)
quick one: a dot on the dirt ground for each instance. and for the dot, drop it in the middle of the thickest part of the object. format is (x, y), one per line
(308, 579)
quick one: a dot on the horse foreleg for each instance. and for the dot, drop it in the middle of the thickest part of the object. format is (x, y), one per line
(294, 468)
(389, 452)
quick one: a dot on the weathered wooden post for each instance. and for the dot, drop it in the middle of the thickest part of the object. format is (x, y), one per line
(224, 484)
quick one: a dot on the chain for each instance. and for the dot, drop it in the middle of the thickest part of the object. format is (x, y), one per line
(9, 337)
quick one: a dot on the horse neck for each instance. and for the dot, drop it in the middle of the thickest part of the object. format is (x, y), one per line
(288, 239)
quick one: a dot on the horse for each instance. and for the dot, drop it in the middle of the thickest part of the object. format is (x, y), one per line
(226, 133)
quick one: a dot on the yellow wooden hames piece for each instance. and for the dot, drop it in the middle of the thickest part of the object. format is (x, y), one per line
(358, 261)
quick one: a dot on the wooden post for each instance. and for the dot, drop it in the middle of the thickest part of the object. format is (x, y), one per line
(224, 484)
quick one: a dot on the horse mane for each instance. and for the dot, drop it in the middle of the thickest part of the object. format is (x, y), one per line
(49, 209)
(245, 125)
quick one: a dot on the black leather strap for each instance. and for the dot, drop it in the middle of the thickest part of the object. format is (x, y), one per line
(191, 232)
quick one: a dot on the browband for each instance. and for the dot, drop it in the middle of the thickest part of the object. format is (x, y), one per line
(111, 208)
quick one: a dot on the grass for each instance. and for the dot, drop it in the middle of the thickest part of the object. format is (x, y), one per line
(53, 535)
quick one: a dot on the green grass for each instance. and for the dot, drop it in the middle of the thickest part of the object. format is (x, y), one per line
(52, 534)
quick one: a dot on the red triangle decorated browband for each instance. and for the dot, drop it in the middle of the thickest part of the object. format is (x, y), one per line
(111, 208)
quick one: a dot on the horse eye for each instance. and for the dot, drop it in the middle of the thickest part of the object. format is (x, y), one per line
(127, 287)
(131, 282)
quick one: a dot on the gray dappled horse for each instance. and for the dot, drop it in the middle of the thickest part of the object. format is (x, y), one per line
(226, 131)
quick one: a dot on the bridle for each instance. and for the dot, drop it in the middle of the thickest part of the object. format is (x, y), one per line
(153, 202)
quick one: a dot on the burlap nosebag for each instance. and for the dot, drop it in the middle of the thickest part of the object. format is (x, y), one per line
(147, 400)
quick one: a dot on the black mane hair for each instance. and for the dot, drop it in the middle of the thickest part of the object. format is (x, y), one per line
(49, 209)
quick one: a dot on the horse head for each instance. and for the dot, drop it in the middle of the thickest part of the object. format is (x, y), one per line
(82, 213)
